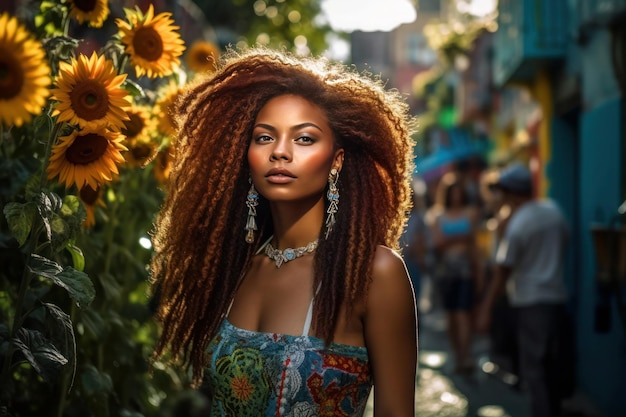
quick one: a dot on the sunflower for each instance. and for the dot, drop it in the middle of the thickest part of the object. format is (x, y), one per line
(139, 124)
(138, 131)
(24, 73)
(163, 164)
(90, 95)
(141, 153)
(95, 12)
(202, 56)
(86, 157)
(167, 96)
(151, 42)
(91, 198)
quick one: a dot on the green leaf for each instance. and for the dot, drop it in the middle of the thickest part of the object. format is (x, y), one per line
(71, 205)
(66, 222)
(77, 284)
(42, 126)
(94, 322)
(44, 267)
(43, 356)
(112, 289)
(133, 88)
(73, 212)
(95, 382)
(20, 220)
(78, 258)
(4, 339)
(46, 205)
(68, 339)
(130, 413)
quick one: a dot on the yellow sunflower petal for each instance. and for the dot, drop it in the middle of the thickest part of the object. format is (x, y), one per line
(152, 43)
(90, 197)
(202, 56)
(24, 73)
(94, 12)
(86, 157)
(167, 96)
(90, 95)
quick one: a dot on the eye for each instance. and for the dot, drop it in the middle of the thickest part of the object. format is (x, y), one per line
(305, 139)
(263, 138)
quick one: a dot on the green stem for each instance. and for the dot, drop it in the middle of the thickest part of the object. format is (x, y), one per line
(123, 63)
(65, 377)
(18, 319)
(53, 137)
(109, 232)
(31, 247)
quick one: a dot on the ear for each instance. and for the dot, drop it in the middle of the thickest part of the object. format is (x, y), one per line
(338, 159)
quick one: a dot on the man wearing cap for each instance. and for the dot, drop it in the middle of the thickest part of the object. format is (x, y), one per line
(529, 262)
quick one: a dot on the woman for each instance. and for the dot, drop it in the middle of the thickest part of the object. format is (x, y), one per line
(454, 236)
(273, 262)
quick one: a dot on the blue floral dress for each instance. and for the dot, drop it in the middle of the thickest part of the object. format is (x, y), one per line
(266, 374)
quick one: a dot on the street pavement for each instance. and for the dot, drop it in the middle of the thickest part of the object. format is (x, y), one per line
(488, 392)
(441, 393)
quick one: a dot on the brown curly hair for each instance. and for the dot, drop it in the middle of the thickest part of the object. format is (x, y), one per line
(199, 238)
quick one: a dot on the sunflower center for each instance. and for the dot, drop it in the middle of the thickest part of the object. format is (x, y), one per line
(85, 5)
(11, 75)
(89, 195)
(90, 100)
(133, 126)
(141, 151)
(148, 44)
(87, 149)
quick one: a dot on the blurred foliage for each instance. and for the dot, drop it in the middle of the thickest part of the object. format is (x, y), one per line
(275, 23)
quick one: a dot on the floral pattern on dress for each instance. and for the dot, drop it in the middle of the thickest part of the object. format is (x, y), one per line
(257, 373)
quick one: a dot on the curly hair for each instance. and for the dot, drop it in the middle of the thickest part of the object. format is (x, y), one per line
(199, 237)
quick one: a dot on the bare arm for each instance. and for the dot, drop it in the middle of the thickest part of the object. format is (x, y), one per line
(391, 336)
(494, 290)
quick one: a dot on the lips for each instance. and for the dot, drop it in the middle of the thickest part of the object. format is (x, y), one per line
(276, 172)
(279, 176)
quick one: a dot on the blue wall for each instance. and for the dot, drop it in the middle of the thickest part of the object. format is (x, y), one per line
(563, 171)
(602, 356)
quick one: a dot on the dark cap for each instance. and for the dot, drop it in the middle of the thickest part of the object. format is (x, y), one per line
(516, 178)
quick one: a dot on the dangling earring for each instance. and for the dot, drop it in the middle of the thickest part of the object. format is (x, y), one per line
(252, 200)
(333, 200)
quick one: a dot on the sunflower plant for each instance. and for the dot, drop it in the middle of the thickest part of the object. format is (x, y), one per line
(85, 151)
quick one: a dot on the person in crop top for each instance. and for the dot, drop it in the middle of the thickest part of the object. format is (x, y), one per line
(454, 232)
(276, 267)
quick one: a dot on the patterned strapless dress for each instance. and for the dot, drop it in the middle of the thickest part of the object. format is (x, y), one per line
(254, 374)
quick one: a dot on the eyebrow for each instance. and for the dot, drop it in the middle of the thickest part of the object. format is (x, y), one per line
(294, 127)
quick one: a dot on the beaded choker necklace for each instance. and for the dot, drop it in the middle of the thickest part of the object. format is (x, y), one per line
(289, 254)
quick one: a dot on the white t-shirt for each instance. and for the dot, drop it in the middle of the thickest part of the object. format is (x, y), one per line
(533, 247)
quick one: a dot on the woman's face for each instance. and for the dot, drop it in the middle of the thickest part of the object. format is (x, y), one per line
(456, 195)
(292, 150)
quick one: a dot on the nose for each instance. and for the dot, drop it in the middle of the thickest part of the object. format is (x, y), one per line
(281, 150)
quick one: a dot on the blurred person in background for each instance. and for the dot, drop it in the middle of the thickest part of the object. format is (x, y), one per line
(454, 238)
(529, 262)
(502, 330)
(415, 240)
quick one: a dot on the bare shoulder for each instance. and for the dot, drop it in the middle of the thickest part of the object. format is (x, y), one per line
(389, 275)
(387, 262)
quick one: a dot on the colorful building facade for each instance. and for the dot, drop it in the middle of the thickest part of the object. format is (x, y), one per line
(570, 58)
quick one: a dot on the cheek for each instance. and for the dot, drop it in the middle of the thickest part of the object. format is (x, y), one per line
(318, 159)
(255, 160)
